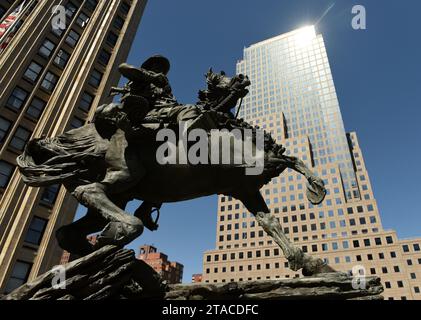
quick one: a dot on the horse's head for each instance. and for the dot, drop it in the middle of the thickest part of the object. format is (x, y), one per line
(220, 86)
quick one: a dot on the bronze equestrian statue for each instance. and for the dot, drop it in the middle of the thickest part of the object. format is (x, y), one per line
(113, 160)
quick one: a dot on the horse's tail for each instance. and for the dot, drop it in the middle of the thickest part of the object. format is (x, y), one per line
(57, 160)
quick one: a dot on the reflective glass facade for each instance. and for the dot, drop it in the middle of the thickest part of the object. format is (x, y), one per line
(291, 74)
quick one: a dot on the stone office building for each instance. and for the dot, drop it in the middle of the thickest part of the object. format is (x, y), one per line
(51, 80)
(293, 97)
(170, 271)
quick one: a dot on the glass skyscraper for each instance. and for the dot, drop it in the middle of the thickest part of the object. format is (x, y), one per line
(293, 97)
(291, 74)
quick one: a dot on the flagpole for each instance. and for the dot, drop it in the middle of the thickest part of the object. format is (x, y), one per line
(22, 12)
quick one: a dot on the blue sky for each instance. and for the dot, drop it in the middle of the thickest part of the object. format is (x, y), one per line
(377, 75)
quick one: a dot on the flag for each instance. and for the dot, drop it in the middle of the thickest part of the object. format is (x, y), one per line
(10, 22)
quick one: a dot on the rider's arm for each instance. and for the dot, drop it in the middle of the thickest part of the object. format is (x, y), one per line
(141, 75)
(135, 74)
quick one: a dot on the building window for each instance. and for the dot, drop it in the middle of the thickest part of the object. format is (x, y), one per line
(2, 11)
(19, 276)
(112, 39)
(417, 289)
(389, 240)
(91, 4)
(72, 38)
(4, 128)
(61, 58)
(36, 231)
(46, 48)
(400, 284)
(405, 248)
(416, 247)
(6, 170)
(413, 276)
(104, 57)
(82, 20)
(50, 194)
(33, 71)
(118, 23)
(36, 108)
(49, 82)
(96, 78)
(125, 8)
(58, 32)
(387, 285)
(76, 123)
(70, 9)
(20, 138)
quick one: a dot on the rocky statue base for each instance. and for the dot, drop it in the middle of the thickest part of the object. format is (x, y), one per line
(115, 273)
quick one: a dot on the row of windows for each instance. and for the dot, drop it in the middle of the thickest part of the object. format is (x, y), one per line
(276, 252)
(294, 229)
(256, 278)
(250, 267)
(37, 105)
(293, 208)
(415, 247)
(241, 255)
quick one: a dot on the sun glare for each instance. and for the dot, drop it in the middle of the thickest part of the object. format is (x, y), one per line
(305, 36)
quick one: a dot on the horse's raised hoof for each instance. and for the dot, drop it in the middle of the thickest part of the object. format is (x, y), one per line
(316, 191)
(315, 266)
(119, 234)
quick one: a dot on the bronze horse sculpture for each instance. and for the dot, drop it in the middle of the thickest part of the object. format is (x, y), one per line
(79, 158)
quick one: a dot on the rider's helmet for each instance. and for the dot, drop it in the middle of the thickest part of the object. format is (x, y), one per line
(157, 63)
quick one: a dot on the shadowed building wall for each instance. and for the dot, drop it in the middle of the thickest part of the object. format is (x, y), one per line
(51, 80)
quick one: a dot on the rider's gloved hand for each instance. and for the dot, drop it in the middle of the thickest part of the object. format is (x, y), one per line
(160, 80)
(123, 122)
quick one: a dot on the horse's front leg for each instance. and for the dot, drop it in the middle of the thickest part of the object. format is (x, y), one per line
(297, 259)
(316, 191)
(121, 228)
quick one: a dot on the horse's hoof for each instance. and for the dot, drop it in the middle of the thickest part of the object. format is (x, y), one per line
(316, 191)
(119, 234)
(316, 266)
